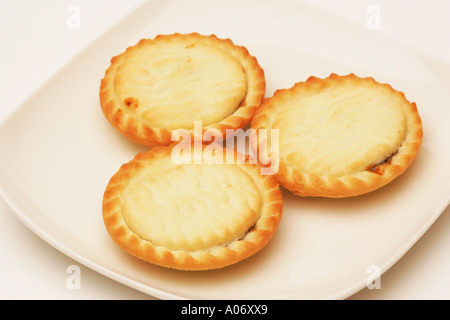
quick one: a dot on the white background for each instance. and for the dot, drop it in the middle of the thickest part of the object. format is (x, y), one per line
(36, 42)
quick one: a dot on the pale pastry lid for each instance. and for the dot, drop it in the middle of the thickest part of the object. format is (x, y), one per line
(171, 84)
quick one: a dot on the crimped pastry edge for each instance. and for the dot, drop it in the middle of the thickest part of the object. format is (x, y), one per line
(142, 133)
(313, 185)
(213, 258)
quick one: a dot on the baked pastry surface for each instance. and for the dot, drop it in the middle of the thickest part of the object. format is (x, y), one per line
(191, 216)
(166, 83)
(341, 136)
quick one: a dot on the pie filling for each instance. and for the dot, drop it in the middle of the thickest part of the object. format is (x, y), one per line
(379, 167)
(191, 207)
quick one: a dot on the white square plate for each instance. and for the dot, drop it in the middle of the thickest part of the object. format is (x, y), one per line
(59, 152)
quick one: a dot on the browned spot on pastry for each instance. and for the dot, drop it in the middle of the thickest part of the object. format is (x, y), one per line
(131, 102)
(190, 46)
(379, 167)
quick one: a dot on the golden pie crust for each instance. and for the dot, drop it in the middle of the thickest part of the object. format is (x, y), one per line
(163, 84)
(340, 136)
(192, 216)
